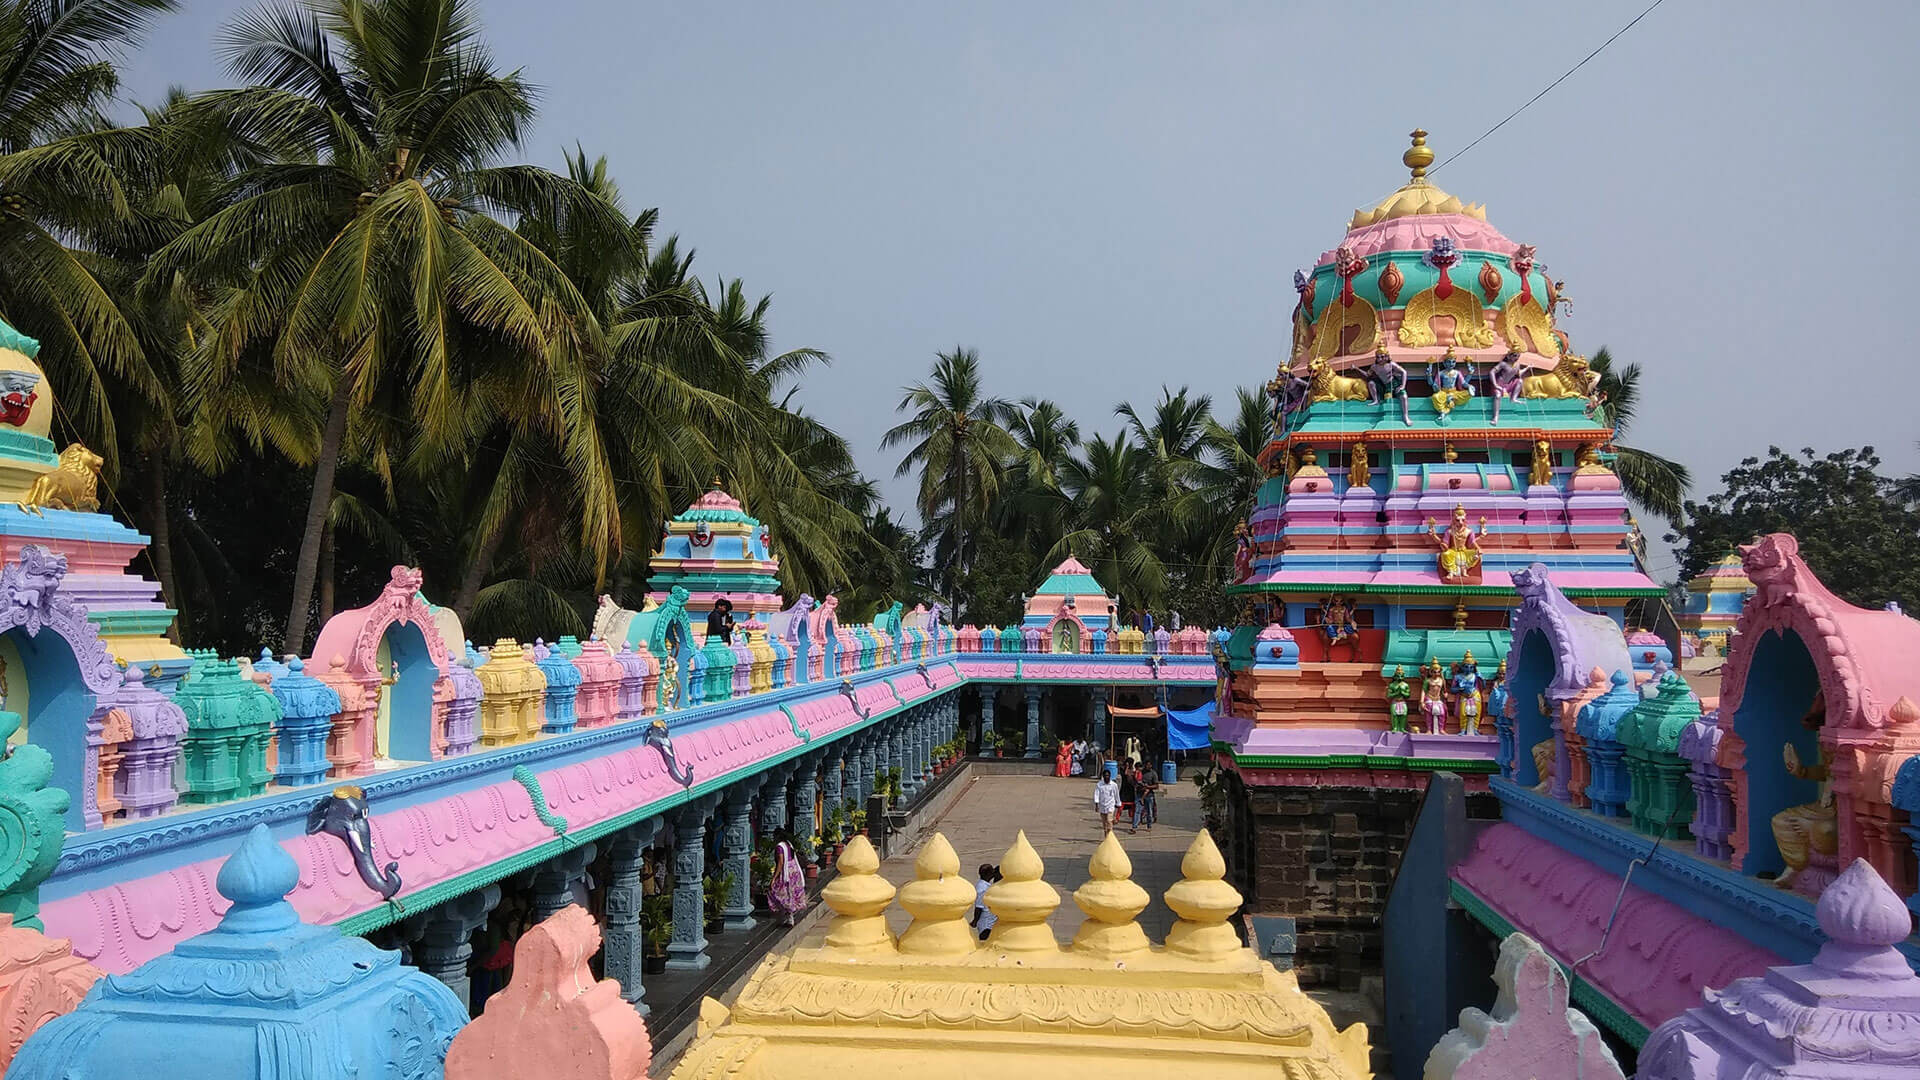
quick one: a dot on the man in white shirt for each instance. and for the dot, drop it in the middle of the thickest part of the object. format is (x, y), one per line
(1106, 799)
(983, 916)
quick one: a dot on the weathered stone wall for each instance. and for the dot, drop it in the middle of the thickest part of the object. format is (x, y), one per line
(1326, 857)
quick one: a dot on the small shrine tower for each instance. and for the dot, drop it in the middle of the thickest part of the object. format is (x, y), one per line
(714, 550)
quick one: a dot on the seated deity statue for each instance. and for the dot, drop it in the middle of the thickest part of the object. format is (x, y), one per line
(1802, 831)
(1459, 545)
(1543, 753)
(1451, 386)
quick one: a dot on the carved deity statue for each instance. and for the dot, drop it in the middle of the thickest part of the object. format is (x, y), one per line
(1390, 380)
(1498, 703)
(1451, 386)
(1398, 695)
(1505, 379)
(1242, 552)
(1433, 697)
(1542, 471)
(1586, 462)
(1358, 474)
(1800, 831)
(1336, 621)
(1466, 694)
(1544, 751)
(1459, 545)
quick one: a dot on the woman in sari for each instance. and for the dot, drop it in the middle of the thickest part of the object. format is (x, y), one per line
(1061, 758)
(787, 894)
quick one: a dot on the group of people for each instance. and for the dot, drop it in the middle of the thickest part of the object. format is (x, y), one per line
(1133, 785)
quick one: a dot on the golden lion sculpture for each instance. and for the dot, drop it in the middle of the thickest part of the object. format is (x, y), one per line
(1571, 378)
(74, 484)
(1324, 385)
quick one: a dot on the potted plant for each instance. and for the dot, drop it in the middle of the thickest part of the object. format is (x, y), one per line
(760, 873)
(857, 820)
(989, 743)
(832, 833)
(1014, 744)
(808, 848)
(894, 790)
(714, 890)
(656, 928)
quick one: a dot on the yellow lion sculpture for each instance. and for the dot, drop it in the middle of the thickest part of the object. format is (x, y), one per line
(1324, 385)
(1571, 378)
(74, 484)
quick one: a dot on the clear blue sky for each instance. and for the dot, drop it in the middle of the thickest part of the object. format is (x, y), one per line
(1106, 197)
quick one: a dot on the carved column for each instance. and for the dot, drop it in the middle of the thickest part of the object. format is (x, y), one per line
(625, 938)
(553, 881)
(442, 939)
(897, 757)
(806, 790)
(1033, 721)
(1100, 718)
(910, 778)
(869, 762)
(736, 847)
(688, 949)
(831, 779)
(984, 695)
(773, 800)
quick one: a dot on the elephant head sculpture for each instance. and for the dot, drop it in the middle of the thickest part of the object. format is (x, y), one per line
(660, 739)
(344, 814)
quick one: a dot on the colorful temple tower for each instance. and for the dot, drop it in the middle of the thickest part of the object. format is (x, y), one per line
(1434, 436)
(1068, 607)
(713, 550)
(1714, 600)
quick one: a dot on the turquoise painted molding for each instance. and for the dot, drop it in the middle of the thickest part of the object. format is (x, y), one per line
(129, 623)
(525, 778)
(794, 723)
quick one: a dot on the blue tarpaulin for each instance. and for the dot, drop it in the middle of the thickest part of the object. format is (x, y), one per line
(1191, 729)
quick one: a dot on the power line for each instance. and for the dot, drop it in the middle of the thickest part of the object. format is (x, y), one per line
(1563, 78)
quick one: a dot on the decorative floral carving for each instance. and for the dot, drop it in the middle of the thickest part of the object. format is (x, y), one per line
(30, 598)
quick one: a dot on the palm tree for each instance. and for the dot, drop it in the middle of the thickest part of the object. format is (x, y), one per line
(1032, 510)
(362, 265)
(1119, 519)
(63, 171)
(1659, 485)
(957, 438)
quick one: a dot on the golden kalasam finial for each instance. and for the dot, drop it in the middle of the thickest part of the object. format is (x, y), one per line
(715, 486)
(1418, 156)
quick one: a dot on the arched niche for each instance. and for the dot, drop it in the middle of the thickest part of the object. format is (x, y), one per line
(1530, 671)
(1064, 633)
(394, 650)
(1780, 686)
(67, 668)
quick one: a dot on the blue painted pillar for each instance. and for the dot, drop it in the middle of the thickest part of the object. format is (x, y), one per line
(899, 753)
(443, 939)
(1033, 721)
(688, 949)
(736, 847)
(1100, 719)
(625, 940)
(806, 791)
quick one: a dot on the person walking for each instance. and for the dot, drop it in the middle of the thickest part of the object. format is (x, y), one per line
(1130, 792)
(1147, 804)
(787, 892)
(1106, 800)
(983, 916)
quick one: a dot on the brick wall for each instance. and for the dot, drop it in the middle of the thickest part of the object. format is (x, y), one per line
(1326, 857)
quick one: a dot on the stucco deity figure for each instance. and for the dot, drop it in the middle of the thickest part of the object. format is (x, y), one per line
(1498, 703)
(1466, 694)
(1433, 697)
(1358, 473)
(1587, 462)
(1242, 552)
(1390, 381)
(1459, 545)
(1505, 380)
(1399, 694)
(1336, 621)
(1451, 387)
(1799, 831)
(1542, 471)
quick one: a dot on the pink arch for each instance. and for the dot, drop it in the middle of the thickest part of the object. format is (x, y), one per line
(355, 637)
(1083, 636)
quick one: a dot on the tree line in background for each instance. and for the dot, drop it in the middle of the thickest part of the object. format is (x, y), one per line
(328, 296)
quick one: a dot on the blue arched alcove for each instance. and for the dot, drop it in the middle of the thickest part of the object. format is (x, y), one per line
(1781, 684)
(410, 698)
(58, 704)
(1531, 670)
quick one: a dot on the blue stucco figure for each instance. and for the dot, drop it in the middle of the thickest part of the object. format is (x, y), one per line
(261, 995)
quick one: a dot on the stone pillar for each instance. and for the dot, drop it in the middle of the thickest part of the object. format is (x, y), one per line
(1033, 722)
(688, 949)
(916, 773)
(897, 758)
(806, 790)
(442, 939)
(773, 801)
(860, 768)
(980, 719)
(625, 940)
(553, 881)
(832, 781)
(736, 846)
(1100, 718)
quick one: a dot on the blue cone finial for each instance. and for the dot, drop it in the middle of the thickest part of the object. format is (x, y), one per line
(257, 879)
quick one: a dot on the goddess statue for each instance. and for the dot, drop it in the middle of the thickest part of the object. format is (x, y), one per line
(1459, 545)
(1800, 831)
(1433, 697)
(1542, 470)
(1242, 552)
(1451, 387)
(1358, 474)
(1398, 694)
(1466, 694)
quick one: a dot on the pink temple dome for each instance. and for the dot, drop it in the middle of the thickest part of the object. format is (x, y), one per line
(716, 499)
